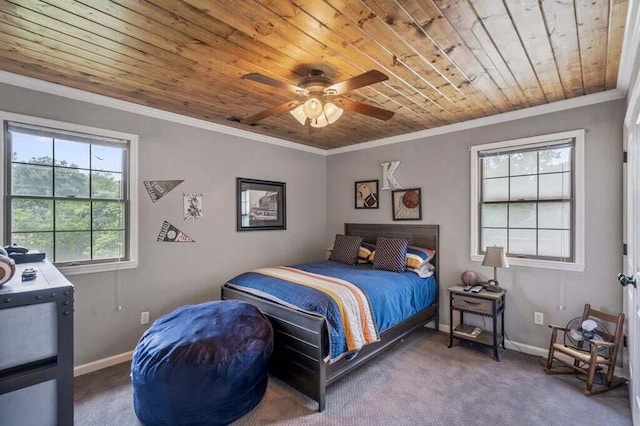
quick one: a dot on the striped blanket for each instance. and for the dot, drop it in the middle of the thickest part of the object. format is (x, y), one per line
(348, 301)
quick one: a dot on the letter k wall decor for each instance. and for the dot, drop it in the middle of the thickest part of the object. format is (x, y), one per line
(388, 179)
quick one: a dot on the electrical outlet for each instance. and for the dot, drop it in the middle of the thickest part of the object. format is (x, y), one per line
(144, 318)
(538, 318)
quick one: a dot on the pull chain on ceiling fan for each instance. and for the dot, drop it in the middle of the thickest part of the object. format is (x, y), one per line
(320, 102)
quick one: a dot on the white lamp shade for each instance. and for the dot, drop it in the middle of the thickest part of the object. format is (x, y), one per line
(496, 257)
(298, 113)
(312, 108)
(332, 112)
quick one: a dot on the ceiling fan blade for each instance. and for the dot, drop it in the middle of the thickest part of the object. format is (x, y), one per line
(263, 79)
(271, 111)
(353, 83)
(371, 111)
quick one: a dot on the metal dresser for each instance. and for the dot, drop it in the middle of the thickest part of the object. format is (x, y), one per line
(36, 348)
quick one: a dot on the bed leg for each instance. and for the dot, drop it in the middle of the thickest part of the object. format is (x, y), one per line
(322, 387)
(321, 404)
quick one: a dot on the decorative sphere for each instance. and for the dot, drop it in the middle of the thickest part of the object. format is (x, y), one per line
(7, 269)
(469, 278)
(410, 199)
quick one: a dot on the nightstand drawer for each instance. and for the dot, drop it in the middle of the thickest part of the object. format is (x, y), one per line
(474, 304)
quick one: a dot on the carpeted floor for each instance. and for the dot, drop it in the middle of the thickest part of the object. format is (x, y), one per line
(418, 382)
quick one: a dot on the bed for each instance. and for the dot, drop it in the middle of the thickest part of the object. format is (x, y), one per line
(301, 355)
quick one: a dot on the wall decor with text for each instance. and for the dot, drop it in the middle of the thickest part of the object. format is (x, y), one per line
(192, 206)
(260, 205)
(389, 181)
(159, 188)
(171, 234)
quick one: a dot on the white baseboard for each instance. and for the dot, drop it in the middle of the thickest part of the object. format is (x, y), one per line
(126, 356)
(90, 367)
(530, 350)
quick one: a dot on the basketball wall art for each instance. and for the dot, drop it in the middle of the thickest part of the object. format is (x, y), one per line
(367, 194)
(407, 204)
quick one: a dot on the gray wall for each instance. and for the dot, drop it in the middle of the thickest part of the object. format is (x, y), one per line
(173, 274)
(440, 166)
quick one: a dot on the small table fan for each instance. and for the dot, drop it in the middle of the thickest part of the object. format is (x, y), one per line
(580, 333)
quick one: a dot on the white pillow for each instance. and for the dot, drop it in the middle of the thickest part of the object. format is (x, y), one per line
(425, 271)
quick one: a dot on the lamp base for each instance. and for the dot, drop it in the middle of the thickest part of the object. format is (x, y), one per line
(493, 287)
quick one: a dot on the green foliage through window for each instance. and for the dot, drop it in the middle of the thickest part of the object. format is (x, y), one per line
(67, 197)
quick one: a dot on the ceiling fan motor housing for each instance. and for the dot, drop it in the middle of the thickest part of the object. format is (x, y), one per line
(315, 81)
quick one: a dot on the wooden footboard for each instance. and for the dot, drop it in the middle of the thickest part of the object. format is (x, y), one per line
(299, 348)
(300, 339)
(300, 345)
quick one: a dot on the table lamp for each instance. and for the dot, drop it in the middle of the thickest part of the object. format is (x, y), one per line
(495, 256)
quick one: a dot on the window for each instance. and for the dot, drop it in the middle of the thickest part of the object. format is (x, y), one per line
(68, 193)
(527, 196)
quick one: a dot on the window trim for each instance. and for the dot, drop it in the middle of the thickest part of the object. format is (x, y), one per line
(578, 262)
(132, 188)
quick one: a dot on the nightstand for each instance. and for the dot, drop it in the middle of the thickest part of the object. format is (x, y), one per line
(484, 303)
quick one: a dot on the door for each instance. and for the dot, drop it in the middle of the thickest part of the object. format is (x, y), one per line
(631, 200)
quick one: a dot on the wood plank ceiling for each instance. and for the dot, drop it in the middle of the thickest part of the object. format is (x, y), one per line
(447, 60)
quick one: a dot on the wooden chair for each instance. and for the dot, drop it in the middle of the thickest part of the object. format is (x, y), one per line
(592, 358)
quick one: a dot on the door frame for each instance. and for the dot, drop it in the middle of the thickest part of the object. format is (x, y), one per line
(631, 236)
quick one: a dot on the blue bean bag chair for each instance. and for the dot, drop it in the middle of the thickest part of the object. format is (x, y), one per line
(202, 364)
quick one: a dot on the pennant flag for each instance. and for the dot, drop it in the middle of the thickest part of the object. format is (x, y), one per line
(171, 234)
(159, 188)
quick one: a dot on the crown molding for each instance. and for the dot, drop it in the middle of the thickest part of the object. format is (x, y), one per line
(101, 100)
(105, 101)
(580, 101)
(630, 44)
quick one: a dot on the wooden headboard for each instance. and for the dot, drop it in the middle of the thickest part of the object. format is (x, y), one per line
(418, 235)
(427, 236)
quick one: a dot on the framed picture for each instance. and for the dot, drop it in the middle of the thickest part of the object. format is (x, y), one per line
(407, 204)
(366, 194)
(192, 206)
(261, 205)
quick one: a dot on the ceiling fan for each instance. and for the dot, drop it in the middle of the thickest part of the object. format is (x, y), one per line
(320, 101)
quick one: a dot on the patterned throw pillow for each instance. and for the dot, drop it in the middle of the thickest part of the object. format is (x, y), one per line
(345, 249)
(364, 252)
(418, 256)
(391, 254)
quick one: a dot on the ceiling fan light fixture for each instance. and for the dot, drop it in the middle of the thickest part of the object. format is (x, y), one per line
(312, 108)
(332, 112)
(319, 122)
(299, 114)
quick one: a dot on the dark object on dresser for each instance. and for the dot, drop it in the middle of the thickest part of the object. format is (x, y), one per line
(29, 274)
(15, 248)
(202, 364)
(29, 257)
(300, 339)
(36, 348)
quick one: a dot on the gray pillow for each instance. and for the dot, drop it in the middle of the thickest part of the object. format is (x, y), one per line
(391, 254)
(345, 249)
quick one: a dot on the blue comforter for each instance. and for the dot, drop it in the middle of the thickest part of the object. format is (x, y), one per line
(393, 296)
